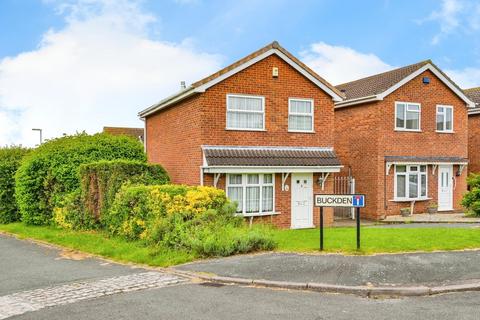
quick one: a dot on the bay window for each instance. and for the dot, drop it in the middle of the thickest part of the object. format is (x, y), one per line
(410, 182)
(300, 115)
(407, 116)
(245, 112)
(253, 192)
(445, 118)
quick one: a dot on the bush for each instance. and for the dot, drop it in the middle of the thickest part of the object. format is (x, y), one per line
(197, 219)
(471, 200)
(51, 171)
(10, 158)
(101, 180)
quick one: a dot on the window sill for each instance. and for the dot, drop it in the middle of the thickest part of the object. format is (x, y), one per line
(261, 214)
(238, 129)
(300, 131)
(440, 131)
(410, 199)
(407, 130)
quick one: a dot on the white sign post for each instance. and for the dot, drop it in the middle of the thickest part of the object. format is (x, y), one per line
(340, 200)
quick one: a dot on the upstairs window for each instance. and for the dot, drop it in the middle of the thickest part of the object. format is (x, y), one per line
(407, 116)
(410, 182)
(445, 118)
(245, 112)
(300, 115)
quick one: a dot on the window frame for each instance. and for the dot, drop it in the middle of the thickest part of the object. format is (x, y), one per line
(407, 174)
(312, 114)
(405, 116)
(244, 186)
(445, 118)
(262, 98)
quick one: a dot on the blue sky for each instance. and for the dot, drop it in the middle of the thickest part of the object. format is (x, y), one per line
(101, 61)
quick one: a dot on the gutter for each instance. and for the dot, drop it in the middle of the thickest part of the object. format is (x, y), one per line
(355, 101)
(168, 101)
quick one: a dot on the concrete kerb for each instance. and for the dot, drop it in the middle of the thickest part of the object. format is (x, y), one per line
(364, 291)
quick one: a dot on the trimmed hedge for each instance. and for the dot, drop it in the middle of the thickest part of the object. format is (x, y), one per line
(10, 158)
(101, 180)
(471, 199)
(51, 171)
(197, 219)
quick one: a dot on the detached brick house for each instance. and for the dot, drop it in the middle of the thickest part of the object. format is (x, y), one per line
(404, 136)
(474, 131)
(261, 128)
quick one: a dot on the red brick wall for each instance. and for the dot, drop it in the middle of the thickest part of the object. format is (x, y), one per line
(258, 80)
(360, 120)
(173, 140)
(474, 143)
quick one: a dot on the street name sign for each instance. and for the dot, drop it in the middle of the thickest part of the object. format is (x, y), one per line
(340, 200)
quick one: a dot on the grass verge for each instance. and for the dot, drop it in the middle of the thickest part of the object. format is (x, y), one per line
(98, 243)
(380, 240)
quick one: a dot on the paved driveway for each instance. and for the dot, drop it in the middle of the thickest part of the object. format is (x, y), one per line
(439, 268)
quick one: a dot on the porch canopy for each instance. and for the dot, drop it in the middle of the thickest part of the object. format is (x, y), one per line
(236, 159)
(434, 161)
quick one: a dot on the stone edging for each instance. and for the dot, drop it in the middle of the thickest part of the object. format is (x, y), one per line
(365, 291)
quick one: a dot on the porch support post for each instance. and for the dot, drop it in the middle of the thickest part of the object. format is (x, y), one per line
(216, 177)
(388, 166)
(434, 168)
(323, 178)
(284, 179)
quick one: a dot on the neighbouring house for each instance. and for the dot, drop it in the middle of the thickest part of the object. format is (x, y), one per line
(137, 133)
(474, 131)
(261, 128)
(404, 136)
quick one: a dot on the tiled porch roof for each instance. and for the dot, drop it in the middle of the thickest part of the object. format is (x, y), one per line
(269, 156)
(426, 159)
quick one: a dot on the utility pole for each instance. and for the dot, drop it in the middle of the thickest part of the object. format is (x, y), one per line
(40, 133)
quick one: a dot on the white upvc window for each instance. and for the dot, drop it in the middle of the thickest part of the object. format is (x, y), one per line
(254, 193)
(245, 112)
(411, 182)
(407, 116)
(300, 115)
(444, 118)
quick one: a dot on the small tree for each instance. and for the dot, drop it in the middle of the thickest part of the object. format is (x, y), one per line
(10, 158)
(471, 200)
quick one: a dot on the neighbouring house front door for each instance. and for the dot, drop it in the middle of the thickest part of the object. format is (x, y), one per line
(302, 200)
(445, 188)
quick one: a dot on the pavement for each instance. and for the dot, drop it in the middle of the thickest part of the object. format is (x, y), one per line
(386, 274)
(432, 218)
(42, 282)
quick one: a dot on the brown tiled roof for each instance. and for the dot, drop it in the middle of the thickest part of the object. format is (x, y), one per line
(425, 159)
(273, 45)
(132, 132)
(269, 156)
(378, 83)
(474, 95)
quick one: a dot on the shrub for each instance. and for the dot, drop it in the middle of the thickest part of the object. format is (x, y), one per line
(196, 219)
(471, 199)
(101, 180)
(10, 158)
(50, 172)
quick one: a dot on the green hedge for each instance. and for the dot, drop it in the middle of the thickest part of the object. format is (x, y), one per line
(197, 219)
(51, 171)
(101, 180)
(471, 200)
(10, 158)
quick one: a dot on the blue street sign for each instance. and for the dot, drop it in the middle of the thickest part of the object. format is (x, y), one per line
(358, 201)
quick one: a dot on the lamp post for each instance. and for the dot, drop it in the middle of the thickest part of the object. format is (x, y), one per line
(40, 133)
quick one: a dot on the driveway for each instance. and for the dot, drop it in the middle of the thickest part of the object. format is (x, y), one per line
(439, 268)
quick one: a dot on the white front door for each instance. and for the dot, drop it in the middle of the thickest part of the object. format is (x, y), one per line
(445, 188)
(302, 200)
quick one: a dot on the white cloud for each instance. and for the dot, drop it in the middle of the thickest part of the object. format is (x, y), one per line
(100, 69)
(453, 16)
(465, 78)
(342, 64)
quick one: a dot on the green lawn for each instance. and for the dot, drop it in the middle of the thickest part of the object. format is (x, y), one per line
(378, 240)
(98, 243)
(342, 240)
